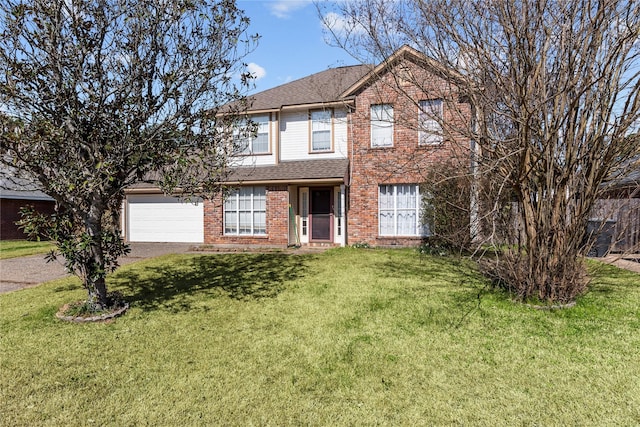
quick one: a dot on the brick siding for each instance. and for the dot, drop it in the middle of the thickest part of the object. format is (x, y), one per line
(277, 210)
(10, 213)
(406, 162)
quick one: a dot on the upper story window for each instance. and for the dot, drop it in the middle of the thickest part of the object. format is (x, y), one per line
(320, 130)
(430, 122)
(256, 142)
(382, 125)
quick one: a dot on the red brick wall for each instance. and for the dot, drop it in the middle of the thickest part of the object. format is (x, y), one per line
(277, 221)
(10, 213)
(406, 162)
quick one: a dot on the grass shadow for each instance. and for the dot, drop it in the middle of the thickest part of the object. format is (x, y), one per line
(173, 281)
(453, 280)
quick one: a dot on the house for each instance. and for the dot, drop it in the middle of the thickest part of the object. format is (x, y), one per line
(16, 193)
(337, 159)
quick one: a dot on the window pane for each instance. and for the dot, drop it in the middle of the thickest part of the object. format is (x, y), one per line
(230, 202)
(430, 118)
(321, 140)
(381, 136)
(261, 143)
(406, 196)
(382, 113)
(230, 223)
(321, 120)
(386, 223)
(259, 223)
(242, 145)
(245, 203)
(381, 125)
(398, 210)
(386, 197)
(406, 223)
(245, 222)
(259, 201)
(242, 138)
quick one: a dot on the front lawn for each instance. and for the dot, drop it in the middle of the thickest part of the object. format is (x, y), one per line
(347, 337)
(17, 248)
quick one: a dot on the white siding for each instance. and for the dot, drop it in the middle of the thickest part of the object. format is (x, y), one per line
(294, 136)
(294, 139)
(341, 130)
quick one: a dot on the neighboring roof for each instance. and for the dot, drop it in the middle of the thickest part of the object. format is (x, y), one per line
(24, 195)
(627, 174)
(12, 187)
(323, 87)
(326, 169)
(632, 177)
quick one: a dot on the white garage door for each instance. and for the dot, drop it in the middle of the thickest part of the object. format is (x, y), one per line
(157, 218)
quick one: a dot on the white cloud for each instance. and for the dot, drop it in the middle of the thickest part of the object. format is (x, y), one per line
(284, 8)
(256, 71)
(340, 26)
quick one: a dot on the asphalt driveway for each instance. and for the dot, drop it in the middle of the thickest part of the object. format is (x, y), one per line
(24, 272)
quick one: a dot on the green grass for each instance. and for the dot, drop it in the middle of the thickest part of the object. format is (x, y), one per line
(18, 248)
(347, 337)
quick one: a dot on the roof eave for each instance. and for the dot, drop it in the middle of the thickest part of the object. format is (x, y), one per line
(293, 181)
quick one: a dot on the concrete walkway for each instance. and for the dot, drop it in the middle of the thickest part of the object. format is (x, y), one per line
(630, 262)
(25, 272)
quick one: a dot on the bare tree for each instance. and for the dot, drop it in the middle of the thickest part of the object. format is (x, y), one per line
(96, 95)
(555, 92)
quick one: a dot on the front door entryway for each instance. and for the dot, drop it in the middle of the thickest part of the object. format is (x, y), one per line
(321, 214)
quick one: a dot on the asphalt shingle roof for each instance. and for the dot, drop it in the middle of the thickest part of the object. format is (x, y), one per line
(293, 171)
(322, 87)
(14, 187)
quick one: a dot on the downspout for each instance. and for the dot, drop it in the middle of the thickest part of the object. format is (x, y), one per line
(277, 141)
(351, 156)
(474, 209)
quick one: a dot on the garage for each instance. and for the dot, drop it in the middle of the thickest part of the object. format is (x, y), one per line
(158, 218)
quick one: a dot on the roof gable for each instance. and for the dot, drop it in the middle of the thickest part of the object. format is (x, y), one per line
(405, 53)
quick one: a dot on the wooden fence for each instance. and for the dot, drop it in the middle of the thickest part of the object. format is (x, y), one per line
(626, 213)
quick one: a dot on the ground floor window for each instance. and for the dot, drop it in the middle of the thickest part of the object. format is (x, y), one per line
(245, 211)
(399, 210)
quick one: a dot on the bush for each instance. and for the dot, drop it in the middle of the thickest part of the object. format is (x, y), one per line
(446, 206)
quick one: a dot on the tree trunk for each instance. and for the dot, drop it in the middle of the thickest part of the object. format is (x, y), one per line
(95, 269)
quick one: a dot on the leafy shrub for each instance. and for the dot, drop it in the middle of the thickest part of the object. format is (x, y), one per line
(446, 206)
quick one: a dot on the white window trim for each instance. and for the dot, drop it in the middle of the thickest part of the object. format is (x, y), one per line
(304, 215)
(430, 122)
(419, 230)
(236, 194)
(381, 123)
(247, 142)
(311, 131)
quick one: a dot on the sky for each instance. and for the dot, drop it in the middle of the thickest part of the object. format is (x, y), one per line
(292, 43)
